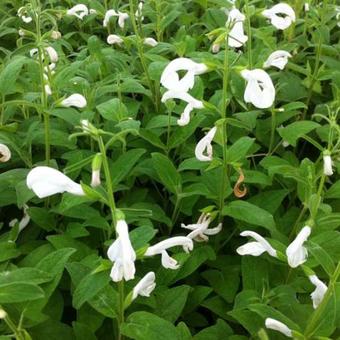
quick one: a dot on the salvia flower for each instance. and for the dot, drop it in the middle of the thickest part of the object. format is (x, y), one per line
(281, 16)
(236, 36)
(260, 90)
(278, 326)
(122, 17)
(296, 252)
(150, 42)
(200, 231)
(109, 14)
(22, 14)
(79, 11)
(23, 222)
(170, 77)
(319, 292)
(113, 39)
(145, 286)
(327, 164)
(122, 254)
(5, 153)
(277, 59)
(139, 11)
(205, 145)
(76, 100)
(161, 247)
(192, 104)
(96, 165)
(255, 248)
(46, 181)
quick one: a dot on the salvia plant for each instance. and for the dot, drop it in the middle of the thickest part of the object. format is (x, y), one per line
(169, 169)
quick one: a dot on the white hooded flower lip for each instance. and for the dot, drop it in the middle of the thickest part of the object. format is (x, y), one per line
(200, 231)
(170, 78)
(76, 100)
(5, 153)
(150, 42)
(122, 254)
(319, 292)
(193, 103)
(52, 53)
(79, 11)
(46, 181)
(160, 248)
(260, 90)
(236, 37)
(327, 165)
(205, 144)
(23, 222)
(122, 17)
(113, 39)
(109, 14)
(280, 22)
(296, 252)
(22, 15)
(145, 286)
(277, 59)
(278, 326)
(255, 248)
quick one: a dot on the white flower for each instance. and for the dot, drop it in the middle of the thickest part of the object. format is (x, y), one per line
(260, 90)
(192, 104)
(46, 181)
(138, 13)
(306, 7)
(21, 33)
(327, 164)
(145, 286)
(205, 144)
(122, 254)
(255, 248)
(151, 42)
(79, 11)
(55, 35)
(236, 37)
(5, 153)
(160, 248)
(200, 229)
(284, 19)
(121, 19)
(114, 39)
(215, 48)
(278, 326)
(277, 59)
(52, 53)
(95, 179)
(109, 14)
(76, 100)
(170, 78)
(47, 90)
(22, 15)
(3, 314)
(296, 252)
(23, 222)
(319, 292)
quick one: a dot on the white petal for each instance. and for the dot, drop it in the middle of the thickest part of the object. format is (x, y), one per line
(278, 326)
(46, 181)
(121, 19)
(327, 165)
(251, 248)
(76, 100)
(278, 21)
(264, 243)
(114, 39)
(183, 241)
(151, 42)
(277, 59)
(5, 153)
(52, 53)
(168, 262)
(78, 11)
(319, 292)
(173, 94)
(185, 116)
(204, 144)
(95, 179)
(145, 286)
(110, 13)
(296, 252)
(214, 231)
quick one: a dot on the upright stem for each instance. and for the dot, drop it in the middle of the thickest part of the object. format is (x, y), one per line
(140, 48)
(250, 58)
(315, 320)
(272, 131)
(224, 127)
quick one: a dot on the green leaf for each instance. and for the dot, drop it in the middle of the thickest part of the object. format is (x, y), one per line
(113, 110)
(19, 292)
(250, 213)
(292, 132)
(25, 275)
(219, 331)
(167, 172)
(148, 326)
(239, 149)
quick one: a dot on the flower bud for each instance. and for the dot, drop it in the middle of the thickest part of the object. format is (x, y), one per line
(96, 165)
(327, 164)
(5, 153)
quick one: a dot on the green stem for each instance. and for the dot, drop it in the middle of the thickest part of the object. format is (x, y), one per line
(11, 325)
(272, 132)
(315, 319)
(250, 60)
(224, 128)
